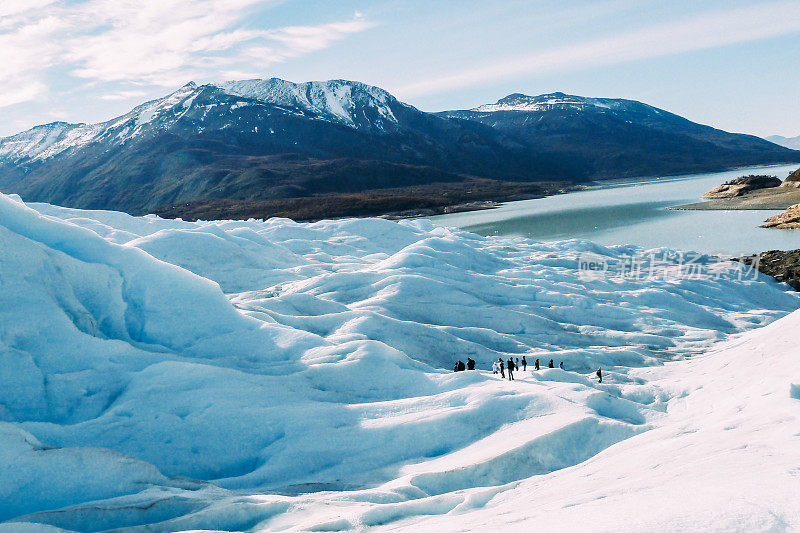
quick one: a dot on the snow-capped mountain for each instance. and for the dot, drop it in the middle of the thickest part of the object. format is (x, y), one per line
(788, 142)
(352, 104)
(560, 101)
(267, 139)
(618, 137)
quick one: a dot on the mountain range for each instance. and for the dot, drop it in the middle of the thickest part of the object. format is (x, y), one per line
(788, 142)
(261, 141)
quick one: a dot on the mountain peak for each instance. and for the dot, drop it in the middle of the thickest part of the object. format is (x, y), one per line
(344, 101)
(556, 100)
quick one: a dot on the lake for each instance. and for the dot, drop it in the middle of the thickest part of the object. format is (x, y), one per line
(636, 212)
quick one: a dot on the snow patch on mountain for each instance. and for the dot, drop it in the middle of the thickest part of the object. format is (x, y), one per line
(336, 100)
(42, 142)
(545, 102)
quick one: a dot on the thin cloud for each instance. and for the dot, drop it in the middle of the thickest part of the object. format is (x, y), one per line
(699, 33)
(9, 8)
(124, 95)
(124, 45)
(305, 39)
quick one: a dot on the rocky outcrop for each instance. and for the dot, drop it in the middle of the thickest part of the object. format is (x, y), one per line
(783, 266)
(793, 180)
(789, 219)
(742, 185)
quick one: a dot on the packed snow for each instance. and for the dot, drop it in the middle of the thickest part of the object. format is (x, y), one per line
(162, 375)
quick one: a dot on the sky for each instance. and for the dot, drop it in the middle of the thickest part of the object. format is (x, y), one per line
(731, 64)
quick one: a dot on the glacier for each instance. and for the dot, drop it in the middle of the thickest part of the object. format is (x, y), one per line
(163, 375)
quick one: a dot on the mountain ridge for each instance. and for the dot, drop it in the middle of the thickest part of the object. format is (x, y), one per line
(266, 139)
(787, 142)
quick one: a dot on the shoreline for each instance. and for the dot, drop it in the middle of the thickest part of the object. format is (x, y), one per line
(771, 199)
(394, 204)
(418, 201)
(780, 203)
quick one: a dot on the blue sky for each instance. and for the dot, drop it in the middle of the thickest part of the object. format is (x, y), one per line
(731, 64)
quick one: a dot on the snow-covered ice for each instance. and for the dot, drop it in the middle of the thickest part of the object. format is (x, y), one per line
(161, 375)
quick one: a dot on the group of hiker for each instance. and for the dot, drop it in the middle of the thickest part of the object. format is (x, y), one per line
(503, 367)
(460, 365)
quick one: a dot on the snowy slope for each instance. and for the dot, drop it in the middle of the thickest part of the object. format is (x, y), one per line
(249, 375)
(545, 102)
(725, 458)
(353, 104)
(348, 102)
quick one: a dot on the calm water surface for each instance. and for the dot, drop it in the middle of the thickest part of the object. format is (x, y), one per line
(635, 212)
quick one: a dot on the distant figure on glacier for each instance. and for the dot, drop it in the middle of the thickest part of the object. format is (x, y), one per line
(524, 364)
(459, 367)
(599, 374)
(561, 365)
(516, 364)
(470, 364)
(495, 367)
(510, 368)
(502, 374)
(536, 365)
(550, 364)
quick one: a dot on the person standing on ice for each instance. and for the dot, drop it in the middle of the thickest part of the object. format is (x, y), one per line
(561, 365)
(470, 364)
(510, 368)
(516, 364)
(502, 374)
(536, 365)
(495, 367)
(599, 374)
(550, 364)
(524, 364)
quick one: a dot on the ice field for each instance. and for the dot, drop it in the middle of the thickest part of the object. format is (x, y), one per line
(161, 375)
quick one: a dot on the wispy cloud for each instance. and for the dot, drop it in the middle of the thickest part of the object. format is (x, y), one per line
(706, 31)
(144, 43)
(304, 39)
(9, 8)
(124, 95)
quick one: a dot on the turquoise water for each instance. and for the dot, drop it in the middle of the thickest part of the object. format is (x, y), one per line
(635, 212)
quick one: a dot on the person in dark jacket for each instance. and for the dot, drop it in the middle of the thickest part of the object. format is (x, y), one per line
(470, 364)
(550, 364)
(524, 364)
(461, 366)
(599, 374)
(455, 368)
(502, 366)
(536, 365)
(561, 365)
(510, 368)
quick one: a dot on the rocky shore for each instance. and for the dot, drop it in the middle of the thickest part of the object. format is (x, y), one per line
(750, 192)
(741, 186)
(789, 219)
(781, 265)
